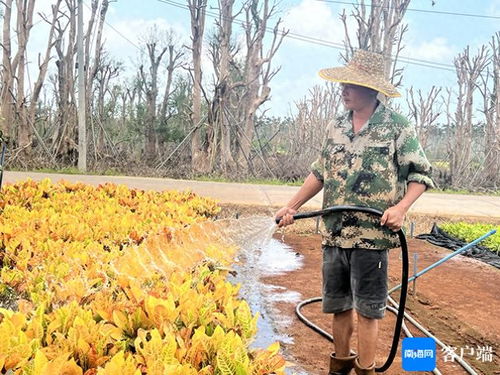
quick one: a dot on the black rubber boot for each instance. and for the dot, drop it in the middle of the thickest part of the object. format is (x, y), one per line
(363, 370)
(341, 365)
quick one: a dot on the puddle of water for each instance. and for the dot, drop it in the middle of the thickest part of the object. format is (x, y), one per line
(254, 263)
(277, 258)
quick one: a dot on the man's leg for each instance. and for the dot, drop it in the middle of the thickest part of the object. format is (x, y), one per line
(367, 340)
(343, 326)
(337, 299)
(369, 285)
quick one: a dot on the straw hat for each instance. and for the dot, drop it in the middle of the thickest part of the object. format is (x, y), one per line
(365, 69)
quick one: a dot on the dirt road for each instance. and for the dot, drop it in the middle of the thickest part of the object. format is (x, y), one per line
(274, 195)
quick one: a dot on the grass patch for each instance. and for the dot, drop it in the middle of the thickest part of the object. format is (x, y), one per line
(494, 193)
(256, 181)
(70, 170)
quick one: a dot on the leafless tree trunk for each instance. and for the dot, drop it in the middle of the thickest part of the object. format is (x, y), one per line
(223, 57)
(491, 110)
(199, 156)
(64, 138)
(12, 93)
(43, 64)
(7, 89)
(424, 110)
(315, 113)
(25, 10)
(92, 69)
(151, 93)
(174, 57)
(379, 30)
(468, 71)
(126, 103)
(157, 47)
(103, 76)
(258, 72)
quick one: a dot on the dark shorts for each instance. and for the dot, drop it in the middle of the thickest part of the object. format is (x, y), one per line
(355, 278)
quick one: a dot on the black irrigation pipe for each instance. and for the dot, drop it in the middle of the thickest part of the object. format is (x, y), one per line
(404, 278)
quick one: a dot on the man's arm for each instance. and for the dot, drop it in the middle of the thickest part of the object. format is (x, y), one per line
(414, 167)
(311, 186)
(309, 189)
(394, 216)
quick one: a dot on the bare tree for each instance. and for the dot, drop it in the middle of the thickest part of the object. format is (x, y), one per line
(174, 62)
(258, 71)
(7, 98)
(199, 157)
(93, 68)
(61, 37)
(43, 65)
(158, 45)
(25, 10)
(468, 69)
(379, 30)
(304, 138)
(491, 109)
(424, 110)
(13, 100)
(223, 58)
(151, 92)
(64, 137)
(107, 71)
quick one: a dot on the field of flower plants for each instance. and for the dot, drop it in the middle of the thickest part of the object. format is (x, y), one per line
(114, 281)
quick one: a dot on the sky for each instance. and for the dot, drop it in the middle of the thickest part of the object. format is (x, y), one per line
(433, 35)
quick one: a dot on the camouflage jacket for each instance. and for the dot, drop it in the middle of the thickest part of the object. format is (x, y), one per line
(371, 168)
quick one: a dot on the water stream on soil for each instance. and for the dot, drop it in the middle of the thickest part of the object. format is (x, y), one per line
(262, 255)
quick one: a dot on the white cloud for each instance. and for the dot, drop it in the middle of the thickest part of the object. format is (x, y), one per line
(436, 50)
(494, 8)
(314, 19)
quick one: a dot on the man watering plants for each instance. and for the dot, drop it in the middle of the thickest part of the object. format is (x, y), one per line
(372, 158)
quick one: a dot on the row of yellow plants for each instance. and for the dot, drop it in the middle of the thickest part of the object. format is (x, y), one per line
(109, 280)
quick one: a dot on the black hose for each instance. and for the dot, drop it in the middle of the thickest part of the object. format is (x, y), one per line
(404, 283)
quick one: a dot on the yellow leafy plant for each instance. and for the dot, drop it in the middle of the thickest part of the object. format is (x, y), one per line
(145, 292)
(61, 365)
(120, 364)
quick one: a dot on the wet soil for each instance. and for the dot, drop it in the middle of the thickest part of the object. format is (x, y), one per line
(458, 301)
